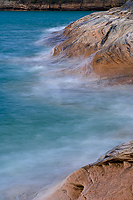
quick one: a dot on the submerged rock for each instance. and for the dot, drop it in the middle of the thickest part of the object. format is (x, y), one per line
(111, 177)
(107, 37)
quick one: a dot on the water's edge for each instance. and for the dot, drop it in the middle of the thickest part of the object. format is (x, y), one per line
(51, 122)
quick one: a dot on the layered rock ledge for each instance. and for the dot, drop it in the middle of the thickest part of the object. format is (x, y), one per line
(110, 178)
(72, 5)
(104, 37)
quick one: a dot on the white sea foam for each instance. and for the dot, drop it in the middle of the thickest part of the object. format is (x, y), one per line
(49, 112)
(54, 29)
(47, 33)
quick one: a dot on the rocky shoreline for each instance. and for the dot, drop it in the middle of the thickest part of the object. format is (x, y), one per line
(111, 177)
(83, 5)
(105, 38)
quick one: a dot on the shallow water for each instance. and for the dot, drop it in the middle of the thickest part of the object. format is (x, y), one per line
(50, 123)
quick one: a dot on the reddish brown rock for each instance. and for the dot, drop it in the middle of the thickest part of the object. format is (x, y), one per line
(110, 178)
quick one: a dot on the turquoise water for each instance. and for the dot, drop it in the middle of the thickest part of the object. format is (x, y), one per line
(50, 124)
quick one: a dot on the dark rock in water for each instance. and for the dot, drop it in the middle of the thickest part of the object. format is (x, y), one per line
(110, 178)
(105, 36)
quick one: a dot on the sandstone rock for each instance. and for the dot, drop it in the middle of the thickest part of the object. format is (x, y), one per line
(107, 37)
(110, 178)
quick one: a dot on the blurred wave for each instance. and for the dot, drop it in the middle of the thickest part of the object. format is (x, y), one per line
(53, 118)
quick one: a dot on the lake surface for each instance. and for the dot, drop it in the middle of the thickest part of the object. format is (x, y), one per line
(50, 124)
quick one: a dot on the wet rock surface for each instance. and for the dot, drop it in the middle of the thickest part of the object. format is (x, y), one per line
(107, 37)
(111, 177)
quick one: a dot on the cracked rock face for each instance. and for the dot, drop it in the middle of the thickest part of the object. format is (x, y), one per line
(108, 36)
(110, 178)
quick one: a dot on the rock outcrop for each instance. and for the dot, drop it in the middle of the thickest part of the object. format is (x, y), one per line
(59, 5)
(107, 37)
(110, 178)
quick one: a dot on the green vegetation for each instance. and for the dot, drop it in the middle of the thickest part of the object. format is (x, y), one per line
(49, 1)
(104, 3)
(63, 1)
